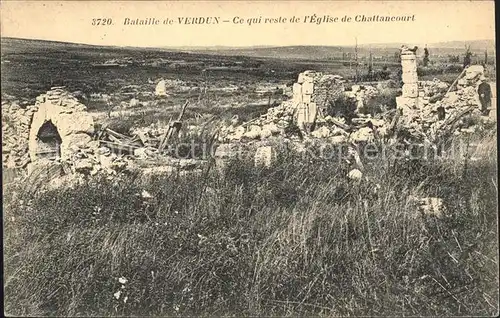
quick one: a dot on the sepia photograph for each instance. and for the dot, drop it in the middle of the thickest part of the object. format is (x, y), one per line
(249, 158)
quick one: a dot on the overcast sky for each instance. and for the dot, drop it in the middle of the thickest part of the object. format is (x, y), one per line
(435, 21)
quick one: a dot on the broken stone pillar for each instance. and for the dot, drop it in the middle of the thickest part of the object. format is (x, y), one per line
(409, 76)
(265, 156)
(306, 110)
(408, 100)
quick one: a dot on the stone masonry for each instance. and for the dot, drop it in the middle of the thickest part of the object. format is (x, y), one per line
(16, 122)
(312, 94)
(21, 128)
(74, 124)
(409, 99)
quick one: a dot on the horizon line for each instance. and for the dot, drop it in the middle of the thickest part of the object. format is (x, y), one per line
(237, 46)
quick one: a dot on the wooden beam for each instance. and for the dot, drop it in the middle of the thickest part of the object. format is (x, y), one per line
(116, 134)
(339, 124)
(173, 128)
(455, 82)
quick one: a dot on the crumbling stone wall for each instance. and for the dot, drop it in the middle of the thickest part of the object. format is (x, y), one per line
(465, 93)
(311, 95)
(21, 127)
(16, 122)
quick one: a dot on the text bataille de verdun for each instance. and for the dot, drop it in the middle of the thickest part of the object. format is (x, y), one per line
(238, 20)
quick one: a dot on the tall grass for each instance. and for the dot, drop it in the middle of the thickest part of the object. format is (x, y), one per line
(296, 239)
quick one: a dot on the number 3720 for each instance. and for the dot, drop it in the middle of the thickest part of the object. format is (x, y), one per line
(106, 21)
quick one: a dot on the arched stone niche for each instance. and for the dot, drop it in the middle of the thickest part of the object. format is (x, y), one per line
(48, 142)
(60, 126)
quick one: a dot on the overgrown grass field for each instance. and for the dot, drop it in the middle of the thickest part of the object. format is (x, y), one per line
(299, 238)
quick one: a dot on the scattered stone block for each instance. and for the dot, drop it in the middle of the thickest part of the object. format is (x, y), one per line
(355, 175)
(322, 132)
(272, 127)
(141, 153)
(265, 156)
(253, 132)
(429, 206)
(265, 133)
(340, 139)
(364, 134)
(161, 88)
(83, 165)
(133, 103)
(224, 153)
(103, 151)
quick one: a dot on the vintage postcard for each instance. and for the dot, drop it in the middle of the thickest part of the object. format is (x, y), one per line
(249, 158)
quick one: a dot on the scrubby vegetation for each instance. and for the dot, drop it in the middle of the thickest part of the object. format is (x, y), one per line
(297, 239)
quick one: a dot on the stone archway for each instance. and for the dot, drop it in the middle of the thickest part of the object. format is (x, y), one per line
(60, 119)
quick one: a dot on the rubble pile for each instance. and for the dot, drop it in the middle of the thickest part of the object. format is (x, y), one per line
(466, 89)
(275, 122)
(431, 88)
(58, 127)
(433, 112)
(431, 91)
(312, 94)
(423, 115)
(92, 161)
(428, 125)
(426, 114)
